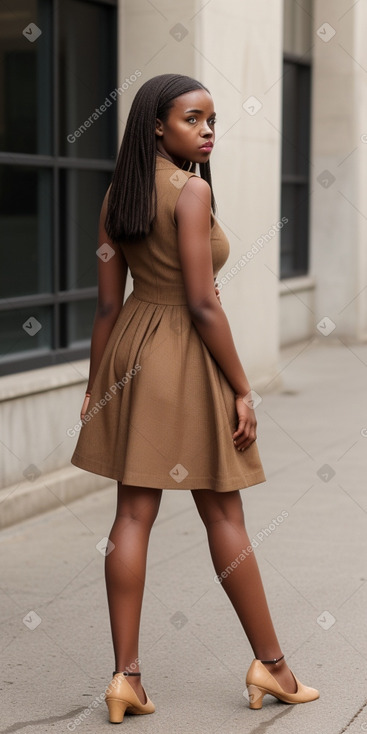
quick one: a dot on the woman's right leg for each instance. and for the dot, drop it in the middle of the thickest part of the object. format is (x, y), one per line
(222, 514)
(125, 569)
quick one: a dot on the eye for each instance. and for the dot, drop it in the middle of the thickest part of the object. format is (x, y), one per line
(212, 120)
(191, 119)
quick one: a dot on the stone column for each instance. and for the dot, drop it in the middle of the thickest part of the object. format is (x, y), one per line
(235, 49)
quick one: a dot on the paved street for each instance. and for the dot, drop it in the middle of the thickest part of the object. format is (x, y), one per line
(56, 648)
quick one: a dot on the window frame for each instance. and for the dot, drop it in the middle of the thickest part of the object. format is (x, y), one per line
(57, 298)
(301, 243)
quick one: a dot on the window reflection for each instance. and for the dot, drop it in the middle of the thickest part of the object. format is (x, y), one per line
(79, 322)
(25, 231)
(81, 197)
(25, 76)
(25, 331)
(87, 64)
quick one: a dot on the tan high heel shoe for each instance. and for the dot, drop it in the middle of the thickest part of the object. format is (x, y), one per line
(121, 697)
(259, 682)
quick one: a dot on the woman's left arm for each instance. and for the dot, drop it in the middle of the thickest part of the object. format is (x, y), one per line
(112, 273)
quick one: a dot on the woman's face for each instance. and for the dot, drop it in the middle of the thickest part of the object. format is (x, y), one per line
(188, 133)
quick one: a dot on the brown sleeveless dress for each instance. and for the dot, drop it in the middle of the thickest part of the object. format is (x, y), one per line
(161, 412)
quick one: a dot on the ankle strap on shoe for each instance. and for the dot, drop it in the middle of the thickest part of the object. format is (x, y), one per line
(124, 672)
(275, 660)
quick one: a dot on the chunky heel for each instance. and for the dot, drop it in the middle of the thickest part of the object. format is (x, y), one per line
(259, 682)
(116, 710)
(120, 696)
(255, 696)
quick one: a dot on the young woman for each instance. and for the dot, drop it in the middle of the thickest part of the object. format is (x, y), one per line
(167, 404)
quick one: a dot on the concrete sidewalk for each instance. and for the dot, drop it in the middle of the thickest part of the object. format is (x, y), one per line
(56, 647)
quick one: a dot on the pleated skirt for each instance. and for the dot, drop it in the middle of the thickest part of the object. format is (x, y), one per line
(161, 412)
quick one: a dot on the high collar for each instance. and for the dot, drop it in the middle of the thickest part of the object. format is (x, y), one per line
(162, 162)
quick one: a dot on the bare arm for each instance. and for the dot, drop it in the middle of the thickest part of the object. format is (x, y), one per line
(192, 214)
(112, 273)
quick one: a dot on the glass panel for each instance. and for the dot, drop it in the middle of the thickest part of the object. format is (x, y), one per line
(294, 236)
(287, 235)
(296, 119)
(79, 322)
(81, 197)
(289, 118)
(304, 116)
(26, 330)
(25, 231)
(87, 76)
(25, 76)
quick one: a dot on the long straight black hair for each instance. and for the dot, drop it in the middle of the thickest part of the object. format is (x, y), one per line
(132, 197)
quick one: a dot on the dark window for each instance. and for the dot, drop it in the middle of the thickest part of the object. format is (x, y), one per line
(87, 69)
(58, 138)
(295, 166)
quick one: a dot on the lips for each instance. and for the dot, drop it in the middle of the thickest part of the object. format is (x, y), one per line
(206, 146)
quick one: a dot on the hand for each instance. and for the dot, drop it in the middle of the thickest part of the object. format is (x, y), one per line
(84, 409)
(245, 434)
(217, 292)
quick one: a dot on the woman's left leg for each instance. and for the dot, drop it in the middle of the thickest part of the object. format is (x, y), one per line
(125, 570)
(223, 517)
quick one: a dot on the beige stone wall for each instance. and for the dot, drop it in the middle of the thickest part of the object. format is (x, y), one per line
(39, 427)
(235, 49)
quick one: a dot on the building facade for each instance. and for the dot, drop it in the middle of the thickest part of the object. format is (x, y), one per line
(289, 86)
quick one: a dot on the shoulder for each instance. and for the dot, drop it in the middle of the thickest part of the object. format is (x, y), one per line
(195, 184)
(194, 196)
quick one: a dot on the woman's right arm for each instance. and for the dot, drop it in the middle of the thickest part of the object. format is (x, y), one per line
(112, 273)
(192, 213)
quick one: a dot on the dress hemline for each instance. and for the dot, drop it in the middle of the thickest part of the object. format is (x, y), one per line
(145, 480)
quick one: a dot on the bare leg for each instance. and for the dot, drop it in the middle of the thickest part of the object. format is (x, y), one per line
(222, 514)
(125, 568)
